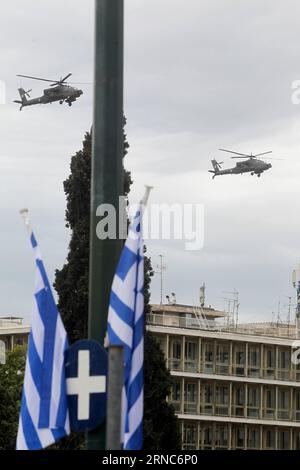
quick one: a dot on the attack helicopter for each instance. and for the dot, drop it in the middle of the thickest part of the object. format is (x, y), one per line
(60, 91)
(252, 165)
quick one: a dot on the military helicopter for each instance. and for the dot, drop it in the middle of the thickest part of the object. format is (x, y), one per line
(61, 92)
(253, 165)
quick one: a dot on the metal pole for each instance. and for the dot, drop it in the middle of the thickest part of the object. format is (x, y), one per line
(161, 279)
(107, 168)
(114, 397)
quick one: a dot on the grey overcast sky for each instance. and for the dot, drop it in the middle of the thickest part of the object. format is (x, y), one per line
(199, 75)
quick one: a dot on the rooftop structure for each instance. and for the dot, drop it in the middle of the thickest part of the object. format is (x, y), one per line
(207, 318)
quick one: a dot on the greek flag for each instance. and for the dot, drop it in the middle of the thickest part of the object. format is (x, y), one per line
(43, 417)
(126, 328)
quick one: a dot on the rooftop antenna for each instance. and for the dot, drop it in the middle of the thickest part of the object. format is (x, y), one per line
(296, 285)
(278, 313)
(289, 306)
(202, 295)
(273, 317)
(161, 268)
(235, 306)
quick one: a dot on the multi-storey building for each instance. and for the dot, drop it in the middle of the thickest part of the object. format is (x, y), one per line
(234, 387)
(13, 332)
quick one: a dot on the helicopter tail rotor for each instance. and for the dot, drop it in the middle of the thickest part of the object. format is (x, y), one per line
(23, 95)
(216, 167)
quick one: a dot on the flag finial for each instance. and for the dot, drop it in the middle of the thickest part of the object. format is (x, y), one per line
(146, 195)
(25, 216)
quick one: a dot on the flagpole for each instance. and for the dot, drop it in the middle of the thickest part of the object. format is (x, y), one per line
(107, 169)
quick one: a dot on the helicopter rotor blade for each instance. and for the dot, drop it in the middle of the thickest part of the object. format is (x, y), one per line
(65, 78)
(53, 82)
(36, 78)
(254, 157)
(264, 153)
(236, 153)
(80, 83)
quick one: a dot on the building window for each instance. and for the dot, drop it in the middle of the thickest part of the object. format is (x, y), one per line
(283, 372)
(189, 436)
(296, 440)
(296, 405)
(222, 362)
(269, 439)
(253, 402)
(208, 357)
(207, 393)
(297, 370)
(222, 393)
(239, 434)
(176, 395)
(221, 436)
(175, 359)
(190, 397)
(239, 355)
(238, 400)
(269, 403)
(283, 439)
(269, 362)
(191, 356)
(283, 404)
(254, 360)
(207, 436)
(253, 438)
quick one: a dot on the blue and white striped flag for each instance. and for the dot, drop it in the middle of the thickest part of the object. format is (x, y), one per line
(126, 328)
(44, 416)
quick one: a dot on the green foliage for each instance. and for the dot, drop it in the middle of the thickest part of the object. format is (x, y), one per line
(11, 384)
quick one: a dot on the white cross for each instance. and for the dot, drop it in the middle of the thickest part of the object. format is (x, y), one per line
(84, 385)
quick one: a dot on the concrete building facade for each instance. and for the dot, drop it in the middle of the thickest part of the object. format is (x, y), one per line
(234, 387)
